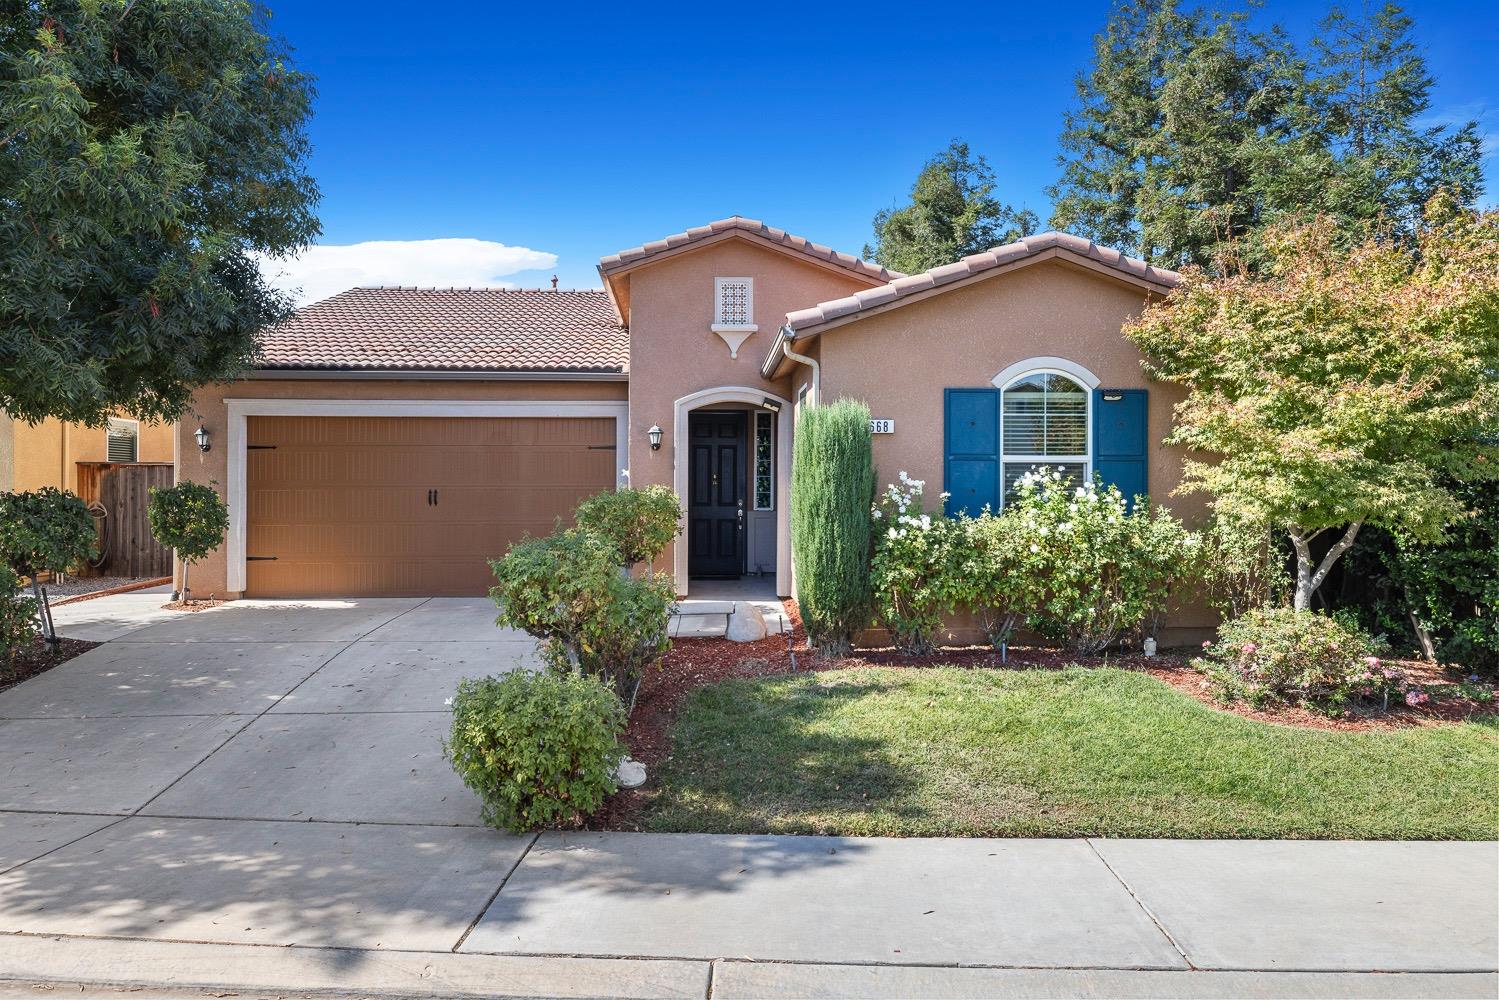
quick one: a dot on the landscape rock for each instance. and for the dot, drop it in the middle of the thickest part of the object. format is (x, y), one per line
(747, 623)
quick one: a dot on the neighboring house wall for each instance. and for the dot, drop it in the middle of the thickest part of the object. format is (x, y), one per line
(7, 452)
(674, 352)
(211, 576)
(48, 453)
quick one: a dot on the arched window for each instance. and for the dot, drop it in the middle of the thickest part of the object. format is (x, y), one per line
(1044, 420)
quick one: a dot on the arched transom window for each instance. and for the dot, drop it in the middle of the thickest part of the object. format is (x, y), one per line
(1044, 421)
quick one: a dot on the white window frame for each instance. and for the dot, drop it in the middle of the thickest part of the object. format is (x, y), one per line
(134, 426)
(770, 423)
(719, 326)
(1046, 366)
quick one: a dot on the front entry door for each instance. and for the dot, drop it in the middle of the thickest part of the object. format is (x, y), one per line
(715, 514)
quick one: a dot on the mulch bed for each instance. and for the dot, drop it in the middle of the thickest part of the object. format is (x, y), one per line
(37, 658)
(130, 584)
(696, 663)
(193, 605)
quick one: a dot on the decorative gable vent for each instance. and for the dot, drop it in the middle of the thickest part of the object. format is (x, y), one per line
(734, 311)
(124, 441)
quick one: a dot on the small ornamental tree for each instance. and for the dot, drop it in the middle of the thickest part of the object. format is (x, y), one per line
(190, 518)
(18, 618)
(640, 523)
(1343, 387)
(832, 485)
(48, 530)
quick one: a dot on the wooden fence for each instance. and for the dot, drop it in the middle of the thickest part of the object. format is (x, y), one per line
(123, 491)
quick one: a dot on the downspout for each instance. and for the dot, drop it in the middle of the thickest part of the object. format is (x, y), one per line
(816, 393)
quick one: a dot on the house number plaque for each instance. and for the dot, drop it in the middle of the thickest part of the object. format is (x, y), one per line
(881, 426)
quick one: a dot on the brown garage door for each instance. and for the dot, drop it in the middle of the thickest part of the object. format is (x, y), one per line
(408, 506)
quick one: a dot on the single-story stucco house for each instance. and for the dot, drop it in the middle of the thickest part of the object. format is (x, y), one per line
(394, 439)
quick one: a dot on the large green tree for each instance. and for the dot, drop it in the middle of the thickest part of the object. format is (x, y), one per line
(148, 152)
(1341, 386)
(1196, 130)
(953, 212)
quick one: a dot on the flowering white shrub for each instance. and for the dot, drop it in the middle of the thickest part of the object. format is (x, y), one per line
(1103, 569)
(912, 565)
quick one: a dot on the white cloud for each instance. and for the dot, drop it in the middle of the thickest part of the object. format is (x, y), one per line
(321, 271)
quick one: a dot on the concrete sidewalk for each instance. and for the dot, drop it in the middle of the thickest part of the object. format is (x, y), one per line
(253, 800)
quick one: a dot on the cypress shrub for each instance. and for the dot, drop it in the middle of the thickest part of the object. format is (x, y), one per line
(832, 485)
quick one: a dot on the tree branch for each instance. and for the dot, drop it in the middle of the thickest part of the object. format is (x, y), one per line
(1343, 545)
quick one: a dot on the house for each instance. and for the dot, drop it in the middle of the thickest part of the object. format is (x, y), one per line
(49, 453)
(395, 439)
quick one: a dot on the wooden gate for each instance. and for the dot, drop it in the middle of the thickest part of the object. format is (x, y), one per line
(123, 490)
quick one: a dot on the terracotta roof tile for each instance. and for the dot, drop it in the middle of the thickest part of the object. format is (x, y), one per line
(1030, 246)
(641, 254)
(452, 329)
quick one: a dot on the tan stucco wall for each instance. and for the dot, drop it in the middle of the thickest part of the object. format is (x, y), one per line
(673, 351)
(899, 362)
(210, 575)
(47, 453)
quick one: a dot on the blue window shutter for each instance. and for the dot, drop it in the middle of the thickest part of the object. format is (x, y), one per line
(1119, 439)
(970, 466)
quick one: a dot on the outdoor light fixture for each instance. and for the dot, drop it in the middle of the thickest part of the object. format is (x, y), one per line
(202, 438)
(655, 435)
(773, 405)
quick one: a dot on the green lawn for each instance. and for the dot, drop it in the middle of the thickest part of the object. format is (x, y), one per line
(951, 752)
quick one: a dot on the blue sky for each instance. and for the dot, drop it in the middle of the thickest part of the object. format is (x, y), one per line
(575, 131)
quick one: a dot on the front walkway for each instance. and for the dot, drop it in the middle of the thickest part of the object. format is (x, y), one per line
(269, 775)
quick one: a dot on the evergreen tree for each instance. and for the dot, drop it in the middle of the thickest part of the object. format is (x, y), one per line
(953, 213)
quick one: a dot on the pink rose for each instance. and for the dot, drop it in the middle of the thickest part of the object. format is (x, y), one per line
(1373, 661)
(1415, 696)
(1250, 647)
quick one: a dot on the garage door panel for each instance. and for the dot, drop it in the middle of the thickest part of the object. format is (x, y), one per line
(341, 503)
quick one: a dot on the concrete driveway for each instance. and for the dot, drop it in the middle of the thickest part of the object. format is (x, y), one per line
(269, 774)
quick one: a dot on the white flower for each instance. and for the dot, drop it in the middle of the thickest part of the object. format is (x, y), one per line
(894, 533)
(1035, 548)
(878, 514)
(447, 701)
(926, 522)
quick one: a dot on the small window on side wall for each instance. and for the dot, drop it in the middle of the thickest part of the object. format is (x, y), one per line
(123, 440)
(765, 489)
(733, 303)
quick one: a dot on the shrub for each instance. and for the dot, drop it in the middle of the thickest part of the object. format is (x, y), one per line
(997, 577)
(832, 485)
(540, 749)
(1093, 557)
(18, 621)
(1303, 658)
(567, 590)
(44, 531)
(190, 518)
(640, 523)
(913, 567)
(1243, 566)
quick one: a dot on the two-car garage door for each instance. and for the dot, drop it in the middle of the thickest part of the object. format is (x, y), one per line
(408, 506)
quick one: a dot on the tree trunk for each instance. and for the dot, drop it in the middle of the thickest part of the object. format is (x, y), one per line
(185, 592)
(1423, 637)
(1308, 577)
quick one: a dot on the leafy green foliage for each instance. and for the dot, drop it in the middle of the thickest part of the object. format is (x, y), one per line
(189, 517)
(996, 576)
(953, 213)
(1105, 568)
(18, 620)
(640, 523)
(149, 154)
(1304, 658)
(1194, 131)
(46, 530)
(540, 749)
(914, 566)
(832, 482)
(1242, 566)
(1344, 387)
(567, 590)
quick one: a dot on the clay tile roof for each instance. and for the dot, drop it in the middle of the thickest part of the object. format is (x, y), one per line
(1030, 246)
(641, 254)
(452, 329)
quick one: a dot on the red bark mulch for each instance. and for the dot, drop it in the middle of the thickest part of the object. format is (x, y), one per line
(696, 663)
(37, 657)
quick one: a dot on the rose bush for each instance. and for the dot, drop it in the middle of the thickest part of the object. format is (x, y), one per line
(914, 562)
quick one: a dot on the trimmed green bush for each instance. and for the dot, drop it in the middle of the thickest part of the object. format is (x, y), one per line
(640, 523)
(18, 621)
(540, 749)
(48, 530)
(190, 518)
(567, 590)
(832, 486)
(997, 577)
(1302, 658)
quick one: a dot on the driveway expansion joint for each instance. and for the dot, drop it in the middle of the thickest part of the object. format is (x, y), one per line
(1140, 903)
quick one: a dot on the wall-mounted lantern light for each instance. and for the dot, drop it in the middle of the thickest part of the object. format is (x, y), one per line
(655, 435)
(202, 438)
